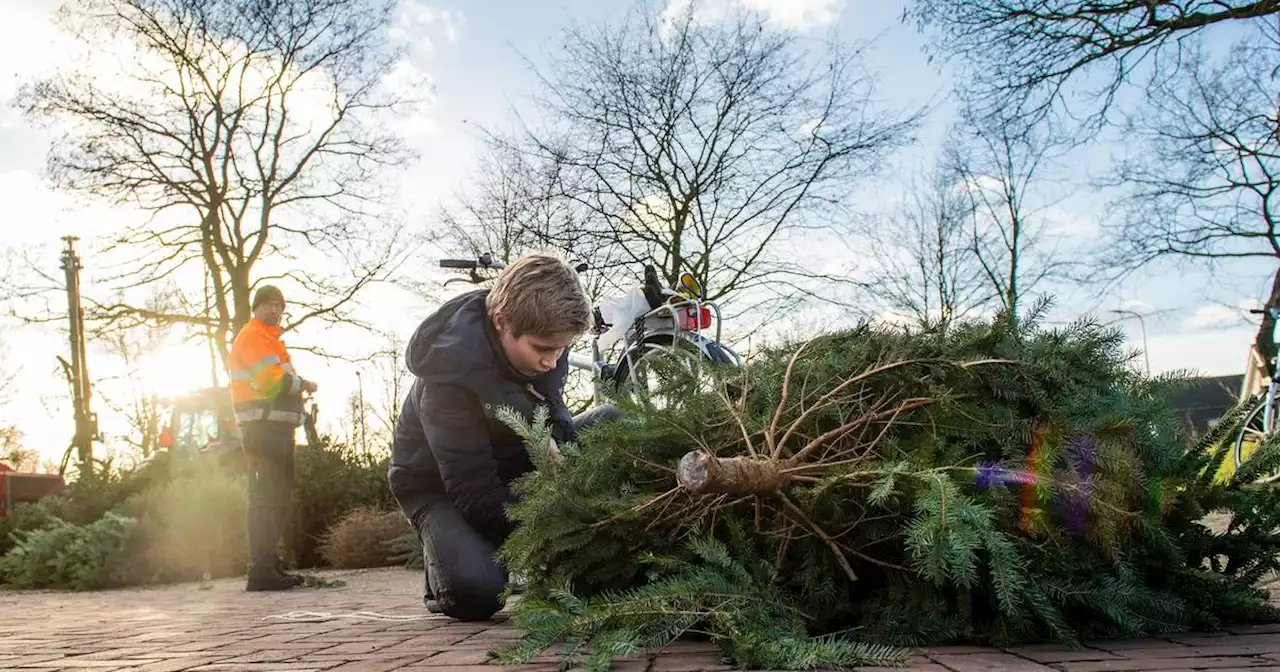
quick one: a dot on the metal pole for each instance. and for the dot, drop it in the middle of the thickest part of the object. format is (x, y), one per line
(364, 431)
(1142, 324)
(81, 391)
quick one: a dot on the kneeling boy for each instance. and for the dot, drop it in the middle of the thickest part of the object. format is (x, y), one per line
(452, 459)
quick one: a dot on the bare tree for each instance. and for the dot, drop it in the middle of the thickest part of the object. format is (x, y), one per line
(389, 381)
(925, 264)
(10, 369)
(1205, 180)
(1000, 166)
(507, 212)
(1024, 53)
(512, 209)
(703, 146)
(128, 394)
(252, 132)
(1203, 185)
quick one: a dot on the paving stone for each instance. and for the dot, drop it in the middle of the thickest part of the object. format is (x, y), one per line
(458, 657)
(79, 663)
(454, 668)
(1254, 629)
(1264, 640)
(24, 661)
(1049, 653)
(954, 650)
(989, 662)
(178, 629)
(1117, 645)
(692, 662)
(1227, 647)
(913, 667)
(175, 664)
(384, 665)
(261, 667)
(268, 656)
(1142, 664)
(622, 666)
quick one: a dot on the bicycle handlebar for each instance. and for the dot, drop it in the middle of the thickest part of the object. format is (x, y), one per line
(484, 261)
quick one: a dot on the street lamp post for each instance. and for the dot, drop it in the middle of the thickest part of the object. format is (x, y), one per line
(1142, 324)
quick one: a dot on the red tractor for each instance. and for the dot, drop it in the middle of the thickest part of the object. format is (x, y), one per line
(204, 422)
(18, 486)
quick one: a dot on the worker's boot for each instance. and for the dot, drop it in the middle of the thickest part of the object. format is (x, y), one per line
(267, 579)
(297, 579)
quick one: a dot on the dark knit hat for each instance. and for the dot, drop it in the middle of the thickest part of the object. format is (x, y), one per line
(267, 293)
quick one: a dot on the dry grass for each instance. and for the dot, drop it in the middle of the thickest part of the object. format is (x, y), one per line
(361, 539)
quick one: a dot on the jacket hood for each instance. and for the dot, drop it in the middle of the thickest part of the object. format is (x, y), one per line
(457, 341)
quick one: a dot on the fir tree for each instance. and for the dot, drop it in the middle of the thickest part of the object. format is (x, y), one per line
(996, 483)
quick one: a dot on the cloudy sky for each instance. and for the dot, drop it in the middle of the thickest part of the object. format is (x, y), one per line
(477, 53)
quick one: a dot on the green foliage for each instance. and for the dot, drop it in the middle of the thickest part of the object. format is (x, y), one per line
(191, 525)
(735, 601)
(993, 483)
(185, 518)
(364, 538)
(330, 482)
(406, 550)
(66, 555)
(84, 500)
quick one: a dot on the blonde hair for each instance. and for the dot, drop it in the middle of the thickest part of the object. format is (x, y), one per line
(540, 294)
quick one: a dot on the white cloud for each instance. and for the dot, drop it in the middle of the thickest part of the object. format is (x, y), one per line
(1218, 316)
(29, 44)
(1216, 352)
(788, 14)
(416, 24)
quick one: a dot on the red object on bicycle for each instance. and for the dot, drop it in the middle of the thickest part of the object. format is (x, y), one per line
(691, 320)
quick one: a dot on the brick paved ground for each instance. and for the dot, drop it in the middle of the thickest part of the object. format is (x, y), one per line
(182, 629)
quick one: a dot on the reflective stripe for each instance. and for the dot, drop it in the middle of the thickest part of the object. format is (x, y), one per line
(260, 415)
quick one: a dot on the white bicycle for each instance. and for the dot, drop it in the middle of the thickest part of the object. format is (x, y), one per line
(650, 319)
(1259, 424)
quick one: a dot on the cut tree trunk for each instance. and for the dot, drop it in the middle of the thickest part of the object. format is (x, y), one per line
(703, 473)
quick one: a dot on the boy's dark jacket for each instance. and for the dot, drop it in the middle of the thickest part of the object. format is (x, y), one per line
(447, 439)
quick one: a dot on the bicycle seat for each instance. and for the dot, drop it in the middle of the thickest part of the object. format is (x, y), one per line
(653, 287)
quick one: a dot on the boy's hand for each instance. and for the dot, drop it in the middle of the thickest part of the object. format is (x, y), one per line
(553, 450)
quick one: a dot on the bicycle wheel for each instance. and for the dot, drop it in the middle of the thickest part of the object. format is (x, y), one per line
(1250, 436)
(648, 380)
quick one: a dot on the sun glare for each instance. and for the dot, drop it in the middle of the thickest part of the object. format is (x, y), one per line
(176, 368)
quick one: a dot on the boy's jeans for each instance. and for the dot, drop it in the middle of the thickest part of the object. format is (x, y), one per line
(461, 572)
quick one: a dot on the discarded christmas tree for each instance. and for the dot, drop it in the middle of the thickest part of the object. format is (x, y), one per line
(993, 483)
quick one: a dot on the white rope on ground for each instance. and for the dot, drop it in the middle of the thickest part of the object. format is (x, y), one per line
(322, 616)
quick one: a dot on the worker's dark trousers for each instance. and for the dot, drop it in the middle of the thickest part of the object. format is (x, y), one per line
(269, 448)
(462, 574)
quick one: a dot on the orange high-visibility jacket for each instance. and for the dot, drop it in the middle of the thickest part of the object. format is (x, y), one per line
(264, 386)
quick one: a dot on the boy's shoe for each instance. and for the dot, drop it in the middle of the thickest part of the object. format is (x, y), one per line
(433, 607)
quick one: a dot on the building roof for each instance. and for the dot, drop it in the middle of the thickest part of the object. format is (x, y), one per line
(1203, 400)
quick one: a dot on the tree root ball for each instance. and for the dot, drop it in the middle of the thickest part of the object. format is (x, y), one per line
(703, 473)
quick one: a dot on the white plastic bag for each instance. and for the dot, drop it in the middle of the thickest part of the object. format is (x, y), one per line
(620, 312)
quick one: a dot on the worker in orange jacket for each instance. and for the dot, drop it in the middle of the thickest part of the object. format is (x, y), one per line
(267, 395)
